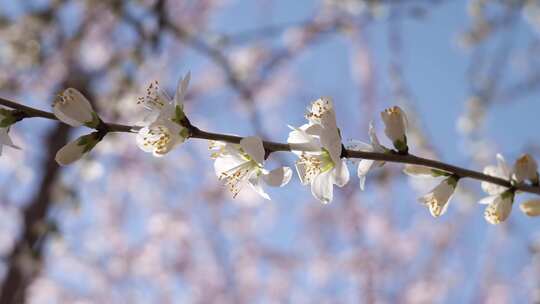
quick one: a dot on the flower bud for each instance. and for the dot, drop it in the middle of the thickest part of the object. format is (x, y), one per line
(76, 149)
(72, 108)
(437, 200)
(395, 123)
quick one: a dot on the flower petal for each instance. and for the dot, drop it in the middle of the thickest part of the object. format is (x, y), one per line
(504, 169)
(376, 145)
(322, 187)
(331, 141)
(363, 168)
(499, 210)
(301, 171)
(340, 174)
(278, 177)
(253, 146)
(76, 149)
(254, 182)
(487, 200)
(299, 140)
(182, 89)
(357, 145)
(226, 163)
(72, 108)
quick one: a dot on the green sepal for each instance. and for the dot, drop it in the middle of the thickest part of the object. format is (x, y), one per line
(401, 145)
(94, 123)
(508, 194)
(452, 181)
(179, 115)
(7, 118)
(437, 173)
(184, 133)
(88, 141)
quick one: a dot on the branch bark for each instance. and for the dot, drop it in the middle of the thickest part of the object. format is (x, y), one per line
(271, 147)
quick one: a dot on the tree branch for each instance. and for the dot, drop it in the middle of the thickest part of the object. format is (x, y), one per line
(271, 147)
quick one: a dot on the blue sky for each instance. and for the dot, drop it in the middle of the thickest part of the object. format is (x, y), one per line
(435, 71)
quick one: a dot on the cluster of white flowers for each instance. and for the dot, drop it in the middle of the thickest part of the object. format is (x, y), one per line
(318, 144)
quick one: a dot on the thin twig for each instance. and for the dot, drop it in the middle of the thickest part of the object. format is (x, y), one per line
(270, 147)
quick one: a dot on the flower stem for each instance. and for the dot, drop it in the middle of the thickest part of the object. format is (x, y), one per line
(271, 147)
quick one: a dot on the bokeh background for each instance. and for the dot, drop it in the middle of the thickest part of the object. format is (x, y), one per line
(122, 226)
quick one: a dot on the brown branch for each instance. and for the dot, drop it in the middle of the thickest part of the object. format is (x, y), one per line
(271, 147)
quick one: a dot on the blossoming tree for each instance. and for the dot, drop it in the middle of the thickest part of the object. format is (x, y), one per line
(82, 101)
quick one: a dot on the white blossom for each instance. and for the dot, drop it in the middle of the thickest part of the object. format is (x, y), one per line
(76, 149)
(318, 145)
(526, 168)
(163, 128)
(499, 207)
(243, 164)
(395, 123)
(502, 170)
(437, 200)
(72, 108)
(531, 207)
(365, 165)
(500, 198)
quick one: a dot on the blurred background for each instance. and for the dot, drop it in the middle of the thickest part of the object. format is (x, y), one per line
(122, 226)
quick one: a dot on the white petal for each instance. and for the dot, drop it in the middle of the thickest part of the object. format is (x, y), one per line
(299, 140)
(394, 122)
(182, 89)
(362, 182)
(363, 168)
(301, 171)
(490, 188)
(72, 108)
(66, 119)
(357, 145)
(80, 99)
(331, 141)
(253, 146)
(314, 129)
(340, 174)
(499, 210)
(322, 187)
(488, 200)
(504, 169)
(69, 153)
(376, 145)
(141, 135)
(254, 182)
(278, 177)
(226, 163)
